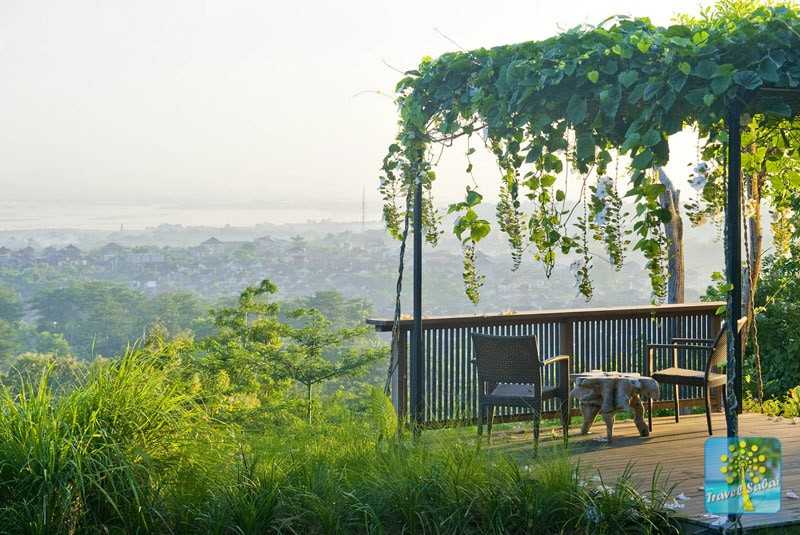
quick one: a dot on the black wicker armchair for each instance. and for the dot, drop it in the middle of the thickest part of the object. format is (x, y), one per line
(510, 375)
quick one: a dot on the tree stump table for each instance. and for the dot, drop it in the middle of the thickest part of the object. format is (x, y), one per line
(610, 392)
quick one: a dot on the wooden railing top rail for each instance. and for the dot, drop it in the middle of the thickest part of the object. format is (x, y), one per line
(641, 311)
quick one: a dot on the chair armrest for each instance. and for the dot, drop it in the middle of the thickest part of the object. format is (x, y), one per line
(556, 360)
(562, 374)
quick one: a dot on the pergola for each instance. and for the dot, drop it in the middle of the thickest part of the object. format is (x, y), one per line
(733, 259)
(740, 100)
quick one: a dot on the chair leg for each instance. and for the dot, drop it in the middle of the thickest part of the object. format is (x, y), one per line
(650, 415)
(566, 416)
(676, 393)
(707, 396)
(536, 417)
(489, 422)
(481, 409)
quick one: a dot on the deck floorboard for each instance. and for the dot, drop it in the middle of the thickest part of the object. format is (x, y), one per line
(678, 449)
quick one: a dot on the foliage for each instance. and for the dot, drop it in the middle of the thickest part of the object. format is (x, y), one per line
(581, 100)
(11, 308)
(237, 364)
(340, 311)
(787, 406)
(778, 315)
(63, 372)
(314, 352)
(129, 450)
(98, 318)
(185, 436)
(770, 164)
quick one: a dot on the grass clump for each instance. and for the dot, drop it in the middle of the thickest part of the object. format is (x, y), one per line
(100, 455)
(131, 449)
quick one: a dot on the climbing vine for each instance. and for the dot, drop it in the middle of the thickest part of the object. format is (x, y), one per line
(582, 100)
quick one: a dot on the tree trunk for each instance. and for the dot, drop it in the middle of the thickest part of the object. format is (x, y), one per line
(755, 242)
(755, 249)
(673, 229)
(309, 401)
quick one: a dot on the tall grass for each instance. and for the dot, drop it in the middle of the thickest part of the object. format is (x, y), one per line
(129, 451)
(355, 487)
(97, 456)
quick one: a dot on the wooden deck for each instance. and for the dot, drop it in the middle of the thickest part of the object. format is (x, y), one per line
(678, 449)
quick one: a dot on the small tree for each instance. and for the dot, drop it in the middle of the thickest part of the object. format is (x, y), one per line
(241, 354)
(315, 352)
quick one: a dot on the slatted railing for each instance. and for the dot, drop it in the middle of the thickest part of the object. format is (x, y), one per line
(611, 339)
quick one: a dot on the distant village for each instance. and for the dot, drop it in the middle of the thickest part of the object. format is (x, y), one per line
(356, 263)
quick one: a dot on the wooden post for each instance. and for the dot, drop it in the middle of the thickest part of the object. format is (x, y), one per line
(400, 379)
(566, 339)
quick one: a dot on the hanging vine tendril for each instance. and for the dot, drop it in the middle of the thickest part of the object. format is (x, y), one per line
(583, 267)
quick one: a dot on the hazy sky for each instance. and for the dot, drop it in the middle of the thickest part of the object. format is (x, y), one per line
(233, 100)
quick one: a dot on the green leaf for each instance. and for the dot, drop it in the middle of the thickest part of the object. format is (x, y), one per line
(610, 67)
(610, 99)
(769, 71)
(684, 67)
(473, 198)
(700, 38)
(652, 137)
(705, 69)
(632, 140)
(651, 90)
(695, 97)
(576, 109)
(548, 180)
(720, 84)
(643, 159)
(479, 230)
(584, 145)
(628, 78)
(748, 79)
(560, 195)
(677, 81)
(709, 99)
(534, 152)
(593, 76)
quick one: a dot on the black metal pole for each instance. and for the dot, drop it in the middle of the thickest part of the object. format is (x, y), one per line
(417, 357)
(733, 267)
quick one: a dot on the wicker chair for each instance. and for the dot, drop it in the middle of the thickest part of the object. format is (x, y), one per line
(716, 353)
(510, 375)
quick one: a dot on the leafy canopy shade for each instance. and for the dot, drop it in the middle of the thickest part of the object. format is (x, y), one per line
(581, 100)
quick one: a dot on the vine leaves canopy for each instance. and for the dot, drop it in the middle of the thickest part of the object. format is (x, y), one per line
(582, 100)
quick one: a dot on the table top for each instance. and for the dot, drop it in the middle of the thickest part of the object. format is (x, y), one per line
(600, 374)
